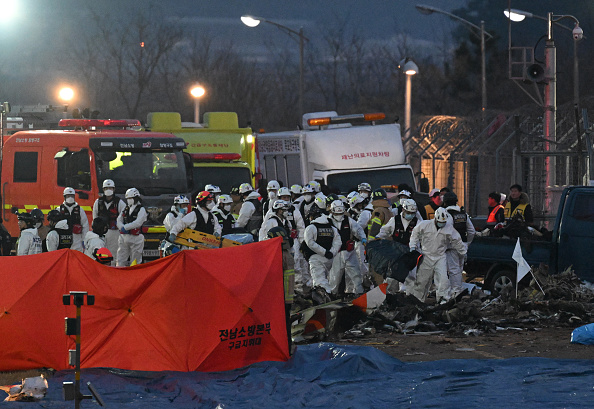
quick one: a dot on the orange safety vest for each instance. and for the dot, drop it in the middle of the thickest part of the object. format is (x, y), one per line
(491, 218)
(521, 208)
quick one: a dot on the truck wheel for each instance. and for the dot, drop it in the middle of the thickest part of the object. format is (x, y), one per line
(502, 279)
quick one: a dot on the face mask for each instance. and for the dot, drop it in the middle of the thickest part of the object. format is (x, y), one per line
(440, 224)
(108, 192)
(227, 208)
(308, 198)
(130, 201)
(338, 217)
(69, 200)
(182, 210)
(409, 216)
(285, 213)
(364, 195)
(210, 205)
(272, 195)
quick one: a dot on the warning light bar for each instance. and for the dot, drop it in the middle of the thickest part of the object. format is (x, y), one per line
(341, 119)
(99, 123)
(201, 157)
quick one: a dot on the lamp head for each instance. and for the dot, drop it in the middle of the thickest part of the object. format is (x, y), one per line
(408, 66)
(517, 15)
(250, 21)
(578, 33)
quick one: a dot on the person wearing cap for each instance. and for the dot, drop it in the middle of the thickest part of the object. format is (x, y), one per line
(222, 211)
(421, 214)
(272, 193)
(29, 241)
(77, 219)
(109, 206)
(42, 229)
(404, 195)
(434, 203)
(95, 239)
(296, 194)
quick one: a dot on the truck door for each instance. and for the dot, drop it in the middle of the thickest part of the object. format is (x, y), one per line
(74, 170)
(576, 238)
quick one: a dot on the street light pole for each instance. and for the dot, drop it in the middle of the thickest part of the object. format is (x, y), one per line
(481, 33)
(409, 68)
(252, 21)
(197, 92)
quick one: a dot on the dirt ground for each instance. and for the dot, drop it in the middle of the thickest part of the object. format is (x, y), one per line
(553, 342)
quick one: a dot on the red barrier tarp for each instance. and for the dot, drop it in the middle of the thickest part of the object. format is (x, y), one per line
(197, 310)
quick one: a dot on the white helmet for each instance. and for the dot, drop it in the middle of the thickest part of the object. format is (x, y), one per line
(181, 199)
(404, 193)
(212, 189)
(343, 199)
(224, 199)
(273, 185)
(441, 215)
(280, 204)
(337, 207)
(315, 185)
(307, 189)
(108, 183)
(69, 191)
(296, 189)
(245, 187)
(320, 201)
(409, 205)
(364, 186)
(132, 192)
(355, 199)
(284, 191)
(351, 194)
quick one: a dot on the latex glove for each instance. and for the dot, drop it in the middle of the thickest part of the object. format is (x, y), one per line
(123, 231)
(328, 255)
(171, 237)
(364, 241)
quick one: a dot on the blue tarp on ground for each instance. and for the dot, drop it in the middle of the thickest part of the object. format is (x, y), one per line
(335, 376)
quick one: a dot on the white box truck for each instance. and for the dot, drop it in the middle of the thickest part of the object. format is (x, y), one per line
(338, 151)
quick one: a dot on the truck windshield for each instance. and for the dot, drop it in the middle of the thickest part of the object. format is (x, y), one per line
(225, 178)
(348, 181)
(152, 173)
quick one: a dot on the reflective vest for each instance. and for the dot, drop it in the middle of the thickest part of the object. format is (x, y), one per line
(225, 220)
(130, 217)
(400, 234)
(345, 232)
(325, 236)
(64, 239)
(491, 218)
(111, 213)
(285, 225)
(521, 208)
(460, 219)
(207, 226)
(73, 218)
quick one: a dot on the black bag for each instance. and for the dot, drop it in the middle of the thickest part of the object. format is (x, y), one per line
(391, 259)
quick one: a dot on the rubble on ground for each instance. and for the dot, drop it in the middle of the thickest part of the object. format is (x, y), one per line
(560, 300)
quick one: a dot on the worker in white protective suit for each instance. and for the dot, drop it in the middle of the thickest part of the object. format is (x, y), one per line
(200, 219)
(77, 219)
(95, 239)
(250, 215)
(432, 238)
(322, 242)
(272, 190)
(177, 212)
(130, 221)
(346, 261)
(362, 214)
(29, 241)
(463, 225)
(276, 217)
(110, 206)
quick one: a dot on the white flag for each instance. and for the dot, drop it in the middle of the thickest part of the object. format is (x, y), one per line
(523, 267)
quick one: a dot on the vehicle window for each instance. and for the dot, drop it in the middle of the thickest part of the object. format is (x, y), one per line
(25, 167)
(74, 170)
(583, 208)
(348, 181)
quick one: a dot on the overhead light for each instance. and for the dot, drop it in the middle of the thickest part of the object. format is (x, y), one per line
(250, 21)
(517, 15)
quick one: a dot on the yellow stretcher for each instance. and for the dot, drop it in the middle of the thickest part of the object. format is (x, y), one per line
(199, 240)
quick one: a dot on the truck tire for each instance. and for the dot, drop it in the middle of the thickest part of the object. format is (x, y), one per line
(502, 279)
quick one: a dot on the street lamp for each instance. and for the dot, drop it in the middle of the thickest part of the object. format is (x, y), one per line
(482, 33)
(298, 36)
(197, 92)
(409, 68)
(66, 94)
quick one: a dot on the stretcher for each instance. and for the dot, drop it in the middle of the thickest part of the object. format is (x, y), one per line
(199, 240)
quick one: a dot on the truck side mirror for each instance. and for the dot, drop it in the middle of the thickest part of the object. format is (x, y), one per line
(424, 185)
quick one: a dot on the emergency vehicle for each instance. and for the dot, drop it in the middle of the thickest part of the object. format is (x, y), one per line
(37, 165)
(338, 151)
(222, 153)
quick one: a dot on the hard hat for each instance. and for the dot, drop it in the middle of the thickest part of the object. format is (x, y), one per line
(69, 191)
(320, 201)
(273, 185)
(450, 198)
(355, 200)
(37, 215)
(409, 205)
(103, 255)
(379, 194)
(212, 189)
(245, 187)
(108, 183)
(27, 218)
(277, 231)
(181, 199)
(315, 212)
(441, 215)
(296, 189)
(284, 191)
(364, 186)
(351, 194)
(404, 193)
(337, 207)
(235, 190)
(307, 189)
(224, 199)
(280, 204)
(54, 216)
(132, 192)
(343, 199)
(167, 248)
(315, 185)
(203, 197)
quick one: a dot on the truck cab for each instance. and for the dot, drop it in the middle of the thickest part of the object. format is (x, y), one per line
(222, 153)
(37, 166)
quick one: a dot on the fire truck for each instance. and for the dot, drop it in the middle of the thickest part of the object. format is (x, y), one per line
(38, 164)
(222, 153)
